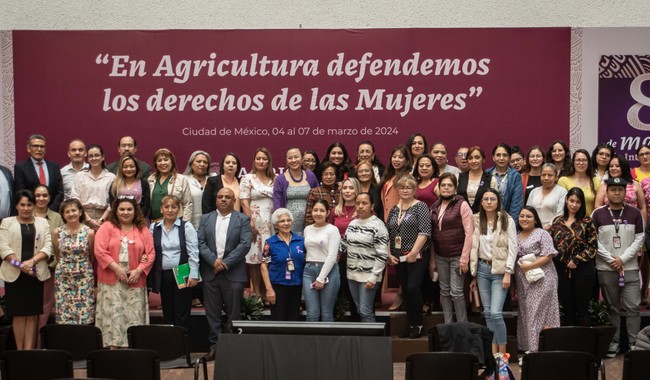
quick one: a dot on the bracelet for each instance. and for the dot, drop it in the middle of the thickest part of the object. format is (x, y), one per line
(17, 263)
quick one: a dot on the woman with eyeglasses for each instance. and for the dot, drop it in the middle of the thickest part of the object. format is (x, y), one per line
(537, 292)
(409, 231)
(517, 160)
(600, 157)
(506, 180)
(311, 162)
(283, 266)
(581, 174)
(452, 230)
(492, 262)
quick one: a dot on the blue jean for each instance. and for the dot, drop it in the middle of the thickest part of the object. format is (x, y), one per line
(364, 299)
(493, 295)
(320, 303)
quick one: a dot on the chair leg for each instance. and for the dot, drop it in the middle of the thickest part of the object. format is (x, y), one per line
(205, 369)
(602, 369)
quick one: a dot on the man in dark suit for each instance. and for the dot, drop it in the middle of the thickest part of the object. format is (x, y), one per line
(35, 171)
(128, 146)
(6, 192)
(224, 240)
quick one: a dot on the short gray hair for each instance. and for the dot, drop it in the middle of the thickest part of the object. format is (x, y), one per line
(277, 214)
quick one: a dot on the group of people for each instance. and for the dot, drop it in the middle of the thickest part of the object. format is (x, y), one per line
(546, 228)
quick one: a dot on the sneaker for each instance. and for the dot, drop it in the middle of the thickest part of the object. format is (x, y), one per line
(416, 332)
(613, 350)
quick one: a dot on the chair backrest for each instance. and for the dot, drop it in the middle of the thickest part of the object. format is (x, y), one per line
(5, 333)
(36, 364)
(79, 340)
(559, 365)
(570, 338)
(635, 365)
(170, 342)
(445, 365)
(124, 364)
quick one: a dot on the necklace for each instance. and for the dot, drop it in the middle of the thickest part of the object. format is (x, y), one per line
(302, 174)
(348, 211)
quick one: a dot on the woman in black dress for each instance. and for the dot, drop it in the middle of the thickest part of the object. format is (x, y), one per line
(25, 247)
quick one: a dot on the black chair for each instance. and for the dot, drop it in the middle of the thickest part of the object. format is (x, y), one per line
(172, 343)
(635, 365)
(36, 364)
(124, 364)
(441, 365)
(79, 340)
(574, 338)
(559, 365)
(6, 333)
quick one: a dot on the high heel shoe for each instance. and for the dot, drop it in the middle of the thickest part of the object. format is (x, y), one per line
(397, 304)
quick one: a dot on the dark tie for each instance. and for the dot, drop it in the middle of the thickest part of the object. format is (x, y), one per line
(41, 173)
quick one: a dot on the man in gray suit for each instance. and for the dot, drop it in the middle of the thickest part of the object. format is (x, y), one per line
(224, 240)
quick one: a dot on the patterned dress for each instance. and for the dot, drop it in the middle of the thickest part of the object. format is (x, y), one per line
(74, 282)
(538, 303)
(297, 203)
(261, 205)
(119, 307)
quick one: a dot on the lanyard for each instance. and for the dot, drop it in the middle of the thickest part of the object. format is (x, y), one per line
(617, 222)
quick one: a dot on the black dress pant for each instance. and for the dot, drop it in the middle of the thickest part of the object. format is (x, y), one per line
(176, 303)
(574, 291)
(410, 277)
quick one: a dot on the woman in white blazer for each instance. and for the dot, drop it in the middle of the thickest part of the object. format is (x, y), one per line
(25, 246)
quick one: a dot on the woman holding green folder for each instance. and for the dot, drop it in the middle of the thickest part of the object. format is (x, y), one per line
(176, 244)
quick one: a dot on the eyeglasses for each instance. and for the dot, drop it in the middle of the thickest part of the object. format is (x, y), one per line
(461, 155)
(515, 160)
(329, 174)
(37, 146)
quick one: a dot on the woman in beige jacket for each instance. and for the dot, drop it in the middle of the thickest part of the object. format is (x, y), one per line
(492, 262)
(25, 246)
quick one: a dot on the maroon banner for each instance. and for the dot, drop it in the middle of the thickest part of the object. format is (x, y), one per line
(236, 90)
